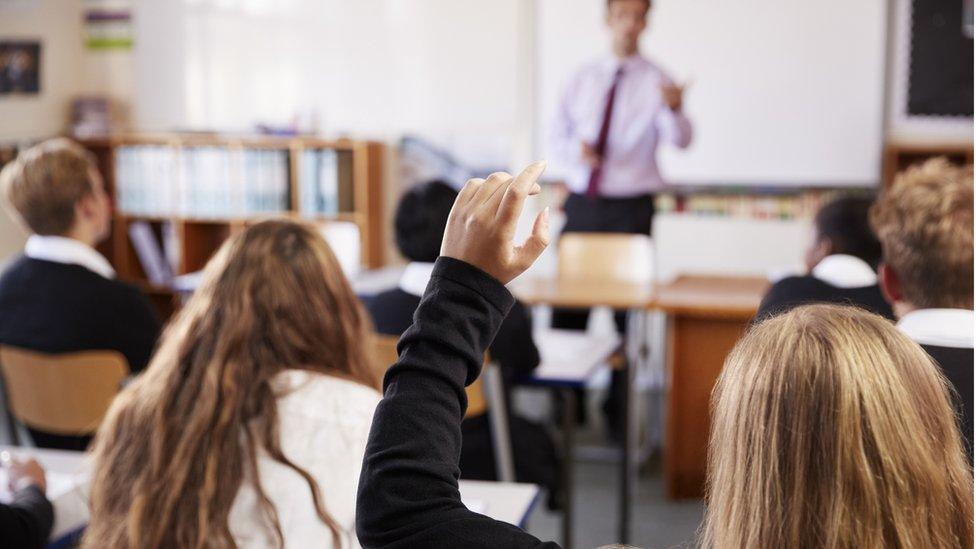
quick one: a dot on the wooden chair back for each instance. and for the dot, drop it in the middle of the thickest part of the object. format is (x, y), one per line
(64, 394)
(385, 354)
(606, 257)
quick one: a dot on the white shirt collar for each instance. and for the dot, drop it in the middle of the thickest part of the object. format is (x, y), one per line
(845, 271)
(939, 327)
(611, 62)
(415, 278)
(60, 249)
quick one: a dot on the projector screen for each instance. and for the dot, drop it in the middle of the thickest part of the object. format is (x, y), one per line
(781, 93)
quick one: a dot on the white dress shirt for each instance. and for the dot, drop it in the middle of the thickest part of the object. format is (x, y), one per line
(640, 121)
(939, 327)
(61, 249)
(324, 422)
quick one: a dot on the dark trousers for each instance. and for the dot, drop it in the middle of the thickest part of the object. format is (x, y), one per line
(604, 215)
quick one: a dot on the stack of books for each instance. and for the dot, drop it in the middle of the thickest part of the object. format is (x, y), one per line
(318, 178)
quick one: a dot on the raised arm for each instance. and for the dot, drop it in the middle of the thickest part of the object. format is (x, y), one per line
(408, 490)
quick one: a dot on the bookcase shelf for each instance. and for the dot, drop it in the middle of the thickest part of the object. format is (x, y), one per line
(199, 189)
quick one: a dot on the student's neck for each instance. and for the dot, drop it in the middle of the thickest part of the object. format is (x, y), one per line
(81, 235)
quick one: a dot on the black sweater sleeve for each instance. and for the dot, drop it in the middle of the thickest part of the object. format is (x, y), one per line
(27, 521)
(408, 490)
(513, 347)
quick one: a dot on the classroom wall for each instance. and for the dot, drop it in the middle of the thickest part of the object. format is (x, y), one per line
(57, 24)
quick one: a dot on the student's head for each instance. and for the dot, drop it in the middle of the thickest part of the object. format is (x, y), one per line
(179, 442)
(421, 218)
(627, 20)
(925, 224)
(830, 428)
(841, 227)
(54, 189)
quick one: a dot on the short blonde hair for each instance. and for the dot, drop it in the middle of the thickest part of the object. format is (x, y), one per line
(830, 428)
(43, 184)
(925, 224)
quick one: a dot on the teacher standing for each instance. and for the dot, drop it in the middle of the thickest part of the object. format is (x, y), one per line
(614, 114)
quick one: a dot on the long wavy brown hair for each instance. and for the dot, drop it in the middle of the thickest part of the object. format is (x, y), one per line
(179, 442)
(831, 429)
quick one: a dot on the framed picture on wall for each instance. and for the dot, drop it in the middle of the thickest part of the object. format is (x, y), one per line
(20, 67)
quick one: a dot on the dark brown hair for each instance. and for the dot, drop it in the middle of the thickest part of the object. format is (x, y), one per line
(180, 440)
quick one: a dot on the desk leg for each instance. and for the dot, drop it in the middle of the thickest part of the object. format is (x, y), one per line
(569, 426)
(628, 473)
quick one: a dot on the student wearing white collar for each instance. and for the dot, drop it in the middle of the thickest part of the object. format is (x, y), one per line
(842, 263)
(61, 294)
(925, 224)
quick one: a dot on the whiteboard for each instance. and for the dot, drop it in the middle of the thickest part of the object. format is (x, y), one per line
(782, 93)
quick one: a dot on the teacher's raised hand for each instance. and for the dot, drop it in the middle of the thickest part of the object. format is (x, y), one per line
(481, 227)
(673, 94)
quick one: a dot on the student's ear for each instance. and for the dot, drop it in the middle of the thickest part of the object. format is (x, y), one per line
(86, 208)
(890, 285)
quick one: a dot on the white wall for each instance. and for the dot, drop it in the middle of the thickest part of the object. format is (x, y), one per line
(57, 25)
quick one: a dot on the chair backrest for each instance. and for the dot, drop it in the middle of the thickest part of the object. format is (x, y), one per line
(65, 394)
(385, 354)
(606, 257)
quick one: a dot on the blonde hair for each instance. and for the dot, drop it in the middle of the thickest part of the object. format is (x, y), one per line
(832, 429)
(179, 442)
(925, 224)
(43, 184)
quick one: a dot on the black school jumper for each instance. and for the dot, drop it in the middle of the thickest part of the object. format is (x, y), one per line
(408, 490)
(25, 523)
(794, 291)
(957, 365)
(61, 308)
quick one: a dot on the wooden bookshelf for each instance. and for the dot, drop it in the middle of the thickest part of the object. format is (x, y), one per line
(360, 180)
(901, 155)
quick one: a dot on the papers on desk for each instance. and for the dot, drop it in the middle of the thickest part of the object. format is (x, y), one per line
(570, 356)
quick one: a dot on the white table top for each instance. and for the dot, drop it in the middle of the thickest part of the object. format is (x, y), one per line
(508, 502)
(68, 479)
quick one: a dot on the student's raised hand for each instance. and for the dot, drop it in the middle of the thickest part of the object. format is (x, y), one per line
(482, 223)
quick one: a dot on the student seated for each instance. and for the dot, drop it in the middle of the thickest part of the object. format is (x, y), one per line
(26, 521)
(419, 226)
(61, 295)
(842, 263)
(249, 425)
(831, 428)
(925, 223)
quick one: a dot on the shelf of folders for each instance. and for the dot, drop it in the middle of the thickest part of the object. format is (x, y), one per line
(190, 192)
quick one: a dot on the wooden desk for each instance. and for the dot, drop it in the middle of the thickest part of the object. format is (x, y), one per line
(580, 294)
(706, 317)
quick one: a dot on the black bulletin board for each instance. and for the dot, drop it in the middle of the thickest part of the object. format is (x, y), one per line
(941, 62)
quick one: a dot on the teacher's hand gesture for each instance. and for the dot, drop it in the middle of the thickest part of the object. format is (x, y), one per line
(481, 226)
(673, 94)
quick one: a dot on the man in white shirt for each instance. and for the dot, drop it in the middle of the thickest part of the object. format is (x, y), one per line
(613, 114)
(62, 295)
(925, 224)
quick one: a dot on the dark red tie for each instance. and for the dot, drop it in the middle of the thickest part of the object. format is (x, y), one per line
(593, 187)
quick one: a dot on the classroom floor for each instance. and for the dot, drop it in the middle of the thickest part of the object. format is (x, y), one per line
(656, 521)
